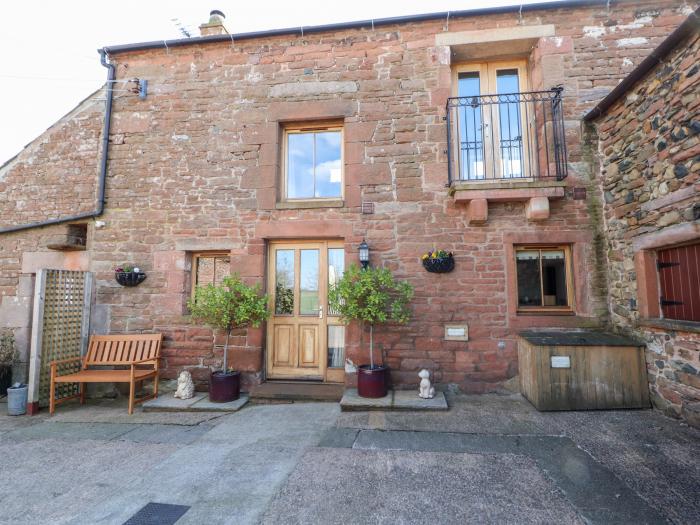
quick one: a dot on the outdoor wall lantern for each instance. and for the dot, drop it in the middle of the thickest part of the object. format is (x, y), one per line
(364, 254)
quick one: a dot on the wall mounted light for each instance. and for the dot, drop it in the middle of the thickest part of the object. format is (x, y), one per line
(364, 254)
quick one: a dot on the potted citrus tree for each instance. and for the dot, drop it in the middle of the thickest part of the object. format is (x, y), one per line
(228, 306)
(371, 296)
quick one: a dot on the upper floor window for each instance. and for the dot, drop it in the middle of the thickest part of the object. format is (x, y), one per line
(679, 282)
(544, 278)
(491, 125)
(500, 129)
(313, 162)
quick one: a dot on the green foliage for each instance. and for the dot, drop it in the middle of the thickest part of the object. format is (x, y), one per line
(230, 305)
(371, 296)
(284, 299)
(7, 348)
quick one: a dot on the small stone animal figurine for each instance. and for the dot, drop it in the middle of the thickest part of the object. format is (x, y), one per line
(426, 391)
(185, 385)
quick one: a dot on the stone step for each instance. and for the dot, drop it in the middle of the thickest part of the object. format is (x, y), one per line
(199, 403)
(296, 391)
(394, 400)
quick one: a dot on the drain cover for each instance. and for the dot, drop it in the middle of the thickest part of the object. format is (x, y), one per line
(157, 514)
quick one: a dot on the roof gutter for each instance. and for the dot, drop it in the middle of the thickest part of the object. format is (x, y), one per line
(687, 28)
(359, 24)
(111, 72)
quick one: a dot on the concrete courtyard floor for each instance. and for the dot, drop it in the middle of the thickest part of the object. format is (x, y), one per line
(490, 459)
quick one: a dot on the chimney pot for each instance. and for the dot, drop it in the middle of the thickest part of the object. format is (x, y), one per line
(215, 25)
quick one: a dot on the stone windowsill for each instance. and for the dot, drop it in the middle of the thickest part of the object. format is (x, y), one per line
(671, 324)
(478, 194)
(510, 190)
(556, 313)
(306, 204)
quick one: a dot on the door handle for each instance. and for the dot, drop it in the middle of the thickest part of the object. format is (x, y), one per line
(320, 312)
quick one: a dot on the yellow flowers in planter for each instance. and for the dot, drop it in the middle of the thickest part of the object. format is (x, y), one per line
(438, 261)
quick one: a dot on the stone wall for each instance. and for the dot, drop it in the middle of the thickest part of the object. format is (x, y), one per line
(54, 176)
(650, 160)
(195, 166)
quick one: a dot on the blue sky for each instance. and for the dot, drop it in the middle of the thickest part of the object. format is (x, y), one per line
(49, 62)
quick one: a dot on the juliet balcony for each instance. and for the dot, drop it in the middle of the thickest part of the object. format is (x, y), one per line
(506, 147)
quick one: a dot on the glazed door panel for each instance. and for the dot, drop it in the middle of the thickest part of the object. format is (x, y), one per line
(493, 130)
(298, 281)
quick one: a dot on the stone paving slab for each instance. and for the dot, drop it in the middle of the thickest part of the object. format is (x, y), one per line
(69, 431)
(175, 434)
(593, 489)
(394, 400)
(116, 412)
(341, 486)
(208, 406)
(169, 402)
(199, 403)
(409, 400)
(352, 401)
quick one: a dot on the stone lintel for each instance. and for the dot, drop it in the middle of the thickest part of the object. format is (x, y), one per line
(34, 261)
(487, 43)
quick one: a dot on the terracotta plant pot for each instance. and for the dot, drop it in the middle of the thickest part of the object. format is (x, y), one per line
(224, 386)
(372, 382)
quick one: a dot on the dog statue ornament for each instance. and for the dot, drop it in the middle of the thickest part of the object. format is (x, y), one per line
(425, 390)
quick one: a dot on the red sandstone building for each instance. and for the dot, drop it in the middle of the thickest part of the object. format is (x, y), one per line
(275, 154)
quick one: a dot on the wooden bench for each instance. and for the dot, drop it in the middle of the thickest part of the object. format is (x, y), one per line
(140, 353)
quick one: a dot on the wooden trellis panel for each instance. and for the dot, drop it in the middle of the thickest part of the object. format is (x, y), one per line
(60, 328)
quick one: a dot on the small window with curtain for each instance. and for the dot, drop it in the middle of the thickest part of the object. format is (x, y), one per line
(209, 268)
(313, 163)
(544, 278)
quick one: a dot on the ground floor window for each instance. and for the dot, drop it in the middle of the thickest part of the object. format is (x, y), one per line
(209, 268)
(679, 282)
(544, 278)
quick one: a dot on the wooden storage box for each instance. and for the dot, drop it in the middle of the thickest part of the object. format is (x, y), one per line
(582, 370)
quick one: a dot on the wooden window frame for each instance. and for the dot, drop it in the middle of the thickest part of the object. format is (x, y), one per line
(570, 297)
(195, 259)
(312, 127)
(488, 74)
(487, 70)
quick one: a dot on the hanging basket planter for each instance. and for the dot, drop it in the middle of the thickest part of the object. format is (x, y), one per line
(129, 276)
(438, 261)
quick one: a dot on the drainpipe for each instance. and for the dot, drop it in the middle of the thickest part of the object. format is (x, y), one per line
(111, 73)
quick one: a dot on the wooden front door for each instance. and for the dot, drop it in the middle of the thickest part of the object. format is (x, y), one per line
(303, 340)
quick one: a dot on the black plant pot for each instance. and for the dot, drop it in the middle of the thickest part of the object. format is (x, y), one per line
(224, 386)
(441, 265)
(129, 278)
(5, 379)
(372, 382)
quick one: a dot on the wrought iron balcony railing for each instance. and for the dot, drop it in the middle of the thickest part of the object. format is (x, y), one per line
(506, 136)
